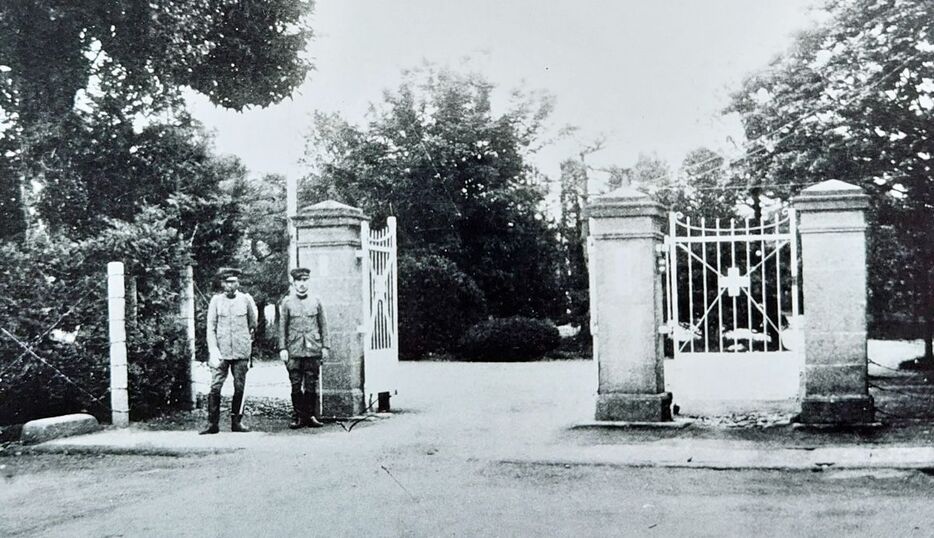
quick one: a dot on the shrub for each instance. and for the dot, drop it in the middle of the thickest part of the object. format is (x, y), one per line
(437, 303)
(509, 339)
(53, 282)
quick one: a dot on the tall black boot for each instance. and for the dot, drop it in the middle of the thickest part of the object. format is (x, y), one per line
(236, 418)
(311, 400)
(214, 414)
(297, 421)
(236, 424)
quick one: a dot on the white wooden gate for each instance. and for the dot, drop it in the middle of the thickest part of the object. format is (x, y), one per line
(732, 312)
(380, 312)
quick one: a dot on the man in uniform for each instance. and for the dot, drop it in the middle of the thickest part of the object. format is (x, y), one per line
(231, 322)
(303, 344)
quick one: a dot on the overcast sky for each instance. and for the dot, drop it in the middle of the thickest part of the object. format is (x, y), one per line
(649, 75)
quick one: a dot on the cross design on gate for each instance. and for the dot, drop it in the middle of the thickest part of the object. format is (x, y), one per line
(733, 282)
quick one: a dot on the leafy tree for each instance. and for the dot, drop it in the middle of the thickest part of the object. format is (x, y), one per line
(438, 304)
(572, 234)
(704, 187)
(123, 61)
(650, 174)
(263, 252)
(457, 175)
(854, 100)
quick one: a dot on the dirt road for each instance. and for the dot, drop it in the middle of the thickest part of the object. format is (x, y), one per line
(437, 469)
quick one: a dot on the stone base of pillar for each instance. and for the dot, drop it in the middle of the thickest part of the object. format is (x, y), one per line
(618, 406)
(342, 403)
(855, 410)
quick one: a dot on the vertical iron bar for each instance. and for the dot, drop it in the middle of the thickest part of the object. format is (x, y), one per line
(687, 235)
(778, 276)
(719, 296)
(733, 264)
(704, 272)
(395, 288)
(749, 289)
(793, 231)
(673, 280)
(765, 305)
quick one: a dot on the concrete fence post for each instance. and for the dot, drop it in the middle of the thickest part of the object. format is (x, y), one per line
(626, 228)
(187, 320)
(833, 257)
(116, 309)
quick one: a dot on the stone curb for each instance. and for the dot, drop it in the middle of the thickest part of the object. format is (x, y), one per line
(46, 429)
(620, 424)
(724, 458)
(94, 450)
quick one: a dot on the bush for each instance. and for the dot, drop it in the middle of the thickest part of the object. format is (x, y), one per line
(437, 303)
(509, 339)
(53, 282)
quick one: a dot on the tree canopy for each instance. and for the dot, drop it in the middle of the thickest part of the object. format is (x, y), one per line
(854, 100)
(437, 154)
(80, 77)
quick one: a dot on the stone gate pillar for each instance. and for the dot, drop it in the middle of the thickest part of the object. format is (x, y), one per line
(626, 307)
(833, 256)
(328, 243)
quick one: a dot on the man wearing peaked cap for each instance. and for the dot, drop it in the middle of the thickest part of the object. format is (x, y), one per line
(228, 272)
(231, 322)
(303, 343)
(300, 272)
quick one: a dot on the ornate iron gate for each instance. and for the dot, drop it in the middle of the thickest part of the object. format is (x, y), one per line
(380, 310)
(731, 289)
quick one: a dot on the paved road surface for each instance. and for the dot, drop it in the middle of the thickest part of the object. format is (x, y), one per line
(436, 469)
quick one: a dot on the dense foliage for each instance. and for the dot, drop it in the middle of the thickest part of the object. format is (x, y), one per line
(53, 298)
(854, 100)
(458, 176)
(78, 79)
(99, 161)
(509, 339)
(438, 303)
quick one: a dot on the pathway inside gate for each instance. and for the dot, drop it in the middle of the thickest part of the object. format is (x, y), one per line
(539, 396)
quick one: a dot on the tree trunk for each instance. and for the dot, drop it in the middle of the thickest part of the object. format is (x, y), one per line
(260, 324)
(928, 341)
(927, 311)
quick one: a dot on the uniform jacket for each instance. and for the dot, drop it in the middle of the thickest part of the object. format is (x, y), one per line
(230, 324)
(303, 327)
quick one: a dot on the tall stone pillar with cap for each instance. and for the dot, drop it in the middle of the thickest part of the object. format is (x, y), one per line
(626, 307)
(833, 257)
(327, 242)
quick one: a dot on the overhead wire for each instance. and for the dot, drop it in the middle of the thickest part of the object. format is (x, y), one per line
(791, 123)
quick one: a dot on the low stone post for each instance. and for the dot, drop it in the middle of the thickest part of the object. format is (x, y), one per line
(328, 244)
(833, 256)
(116, 310)
(187, 320)
(626, 307)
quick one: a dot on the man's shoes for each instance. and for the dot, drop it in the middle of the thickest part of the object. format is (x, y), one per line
(212, 428)
(214, 414)
(296, 423)
(313, 422)
(236, 425)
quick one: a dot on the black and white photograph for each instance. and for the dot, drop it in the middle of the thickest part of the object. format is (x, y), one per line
(488, 268)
